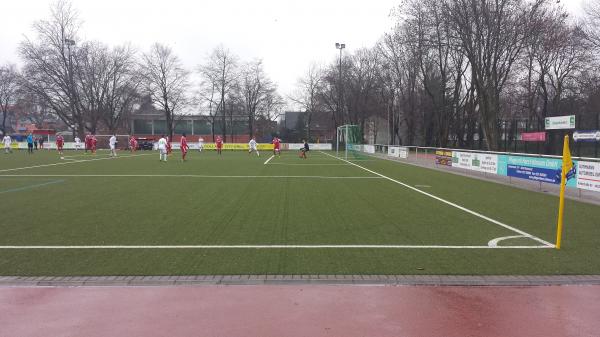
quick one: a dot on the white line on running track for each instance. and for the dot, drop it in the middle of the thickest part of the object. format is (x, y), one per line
(72, 162)
(533, 237)
(274, 247)
(181, 176)
(268, 160)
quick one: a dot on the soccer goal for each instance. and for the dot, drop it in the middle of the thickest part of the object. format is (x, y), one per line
(348, 140)
(122, 142)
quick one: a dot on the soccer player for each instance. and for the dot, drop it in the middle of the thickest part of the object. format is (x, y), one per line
(276, 146)
(162, 148)
(7, 143)
(304, 149)
(60, 142)
(219, 144)
(200, 144)
(112, 142)
(41, 142)
(77, 143)
(183, 146)
(30, 143)
(169, 149)
(93, 143)
(88, 142)
(252, 147)
(133, 144)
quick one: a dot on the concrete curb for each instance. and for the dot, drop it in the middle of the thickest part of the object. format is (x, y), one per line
(400, 280)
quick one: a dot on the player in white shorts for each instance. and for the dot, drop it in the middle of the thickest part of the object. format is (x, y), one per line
(77, 143)
(7, 142)
(162, 148)
(113, 145)
(200, 144)
(252, 146)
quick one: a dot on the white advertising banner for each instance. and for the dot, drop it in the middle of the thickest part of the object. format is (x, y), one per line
(561, 122)
(480, 162)
(403, 152)
(394, 151)
(369, 148)
(588, 176)
(320, 146)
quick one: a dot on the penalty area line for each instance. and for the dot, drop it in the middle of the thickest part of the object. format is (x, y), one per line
(268, 160)
(479, 215)
(180, 176)
(270, 247)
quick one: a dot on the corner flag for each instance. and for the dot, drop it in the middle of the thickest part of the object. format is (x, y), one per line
(567, 172)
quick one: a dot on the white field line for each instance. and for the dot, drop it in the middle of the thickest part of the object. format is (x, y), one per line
(494, 242)
(518, 231)
(23, 188)
(268, 160)
(179, 176)
(72, 162)
(273, 247)
(308, 164)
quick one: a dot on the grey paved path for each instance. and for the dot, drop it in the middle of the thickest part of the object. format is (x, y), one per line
(431, 280)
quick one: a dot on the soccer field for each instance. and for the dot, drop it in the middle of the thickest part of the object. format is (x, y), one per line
(241, 214)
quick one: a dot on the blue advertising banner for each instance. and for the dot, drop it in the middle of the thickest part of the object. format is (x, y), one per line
(531, 168)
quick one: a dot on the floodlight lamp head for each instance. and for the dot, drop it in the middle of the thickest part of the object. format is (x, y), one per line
(337, 45)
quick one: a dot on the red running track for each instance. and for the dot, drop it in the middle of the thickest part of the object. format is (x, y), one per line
(307, 311)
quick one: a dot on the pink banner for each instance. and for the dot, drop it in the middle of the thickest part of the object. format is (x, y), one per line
(533, 136)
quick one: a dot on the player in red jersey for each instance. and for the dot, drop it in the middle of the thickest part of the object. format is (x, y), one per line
(219, 144)
(88, 142)
(60, 142)
(169, 148)
(93, 143)
(276, 146)
(183, 145)
(132, 144)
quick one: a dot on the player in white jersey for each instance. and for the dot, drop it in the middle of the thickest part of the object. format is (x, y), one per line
(77, 143)
(162, 148)
(112, 142)
(252, 147)
(200, 144)
(7, 141)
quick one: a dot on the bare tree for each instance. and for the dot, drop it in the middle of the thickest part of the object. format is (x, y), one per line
(257, 91)
(492, 34)
(592, 21)
(220, 73)
(307, 95)
(166, 81)
(9, 88)
(50, 65)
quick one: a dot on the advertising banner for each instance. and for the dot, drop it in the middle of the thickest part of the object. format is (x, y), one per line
(561, 122)
(538, 169)
(443, 157)
(298, 146)
(533, 136)
(586, 136)
(394, 151)
(403, 152)
(588, 176)
(481, 162)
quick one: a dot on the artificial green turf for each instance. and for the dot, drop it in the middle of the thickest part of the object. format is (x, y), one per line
(211, 200)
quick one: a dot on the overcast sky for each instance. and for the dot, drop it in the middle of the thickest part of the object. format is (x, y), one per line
(287, 35)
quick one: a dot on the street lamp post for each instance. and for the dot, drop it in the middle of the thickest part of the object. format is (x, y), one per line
(340, 46)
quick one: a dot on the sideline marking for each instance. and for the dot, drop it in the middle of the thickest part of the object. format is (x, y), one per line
(525, 234)
(274, 247)
(179, 176)
(72, 162)
(494, 243)
(31, 186)
(267, 161)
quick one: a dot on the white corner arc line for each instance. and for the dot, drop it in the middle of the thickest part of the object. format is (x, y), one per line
(479, 215)
(72, 162)
(268, 247)
(268, 160)
(494, 243)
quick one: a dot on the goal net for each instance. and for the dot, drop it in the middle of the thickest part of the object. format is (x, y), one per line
(103, 142)
(349, 140)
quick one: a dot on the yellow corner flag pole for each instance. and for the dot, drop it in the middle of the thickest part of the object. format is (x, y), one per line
(567, 165)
